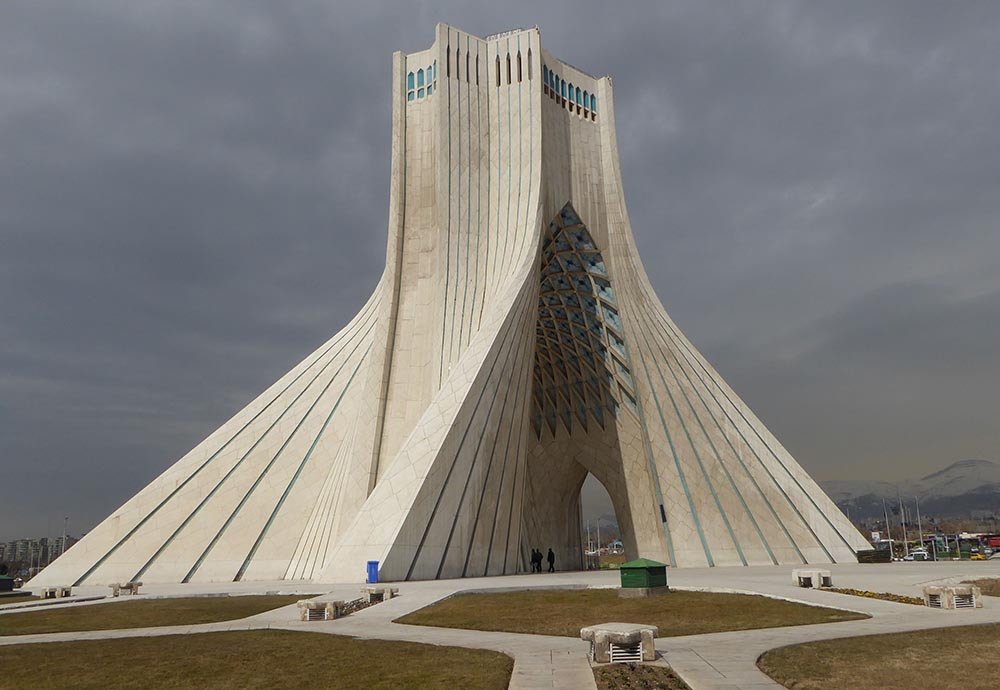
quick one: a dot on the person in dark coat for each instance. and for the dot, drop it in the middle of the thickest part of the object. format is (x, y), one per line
(536, 560)
(552, 561)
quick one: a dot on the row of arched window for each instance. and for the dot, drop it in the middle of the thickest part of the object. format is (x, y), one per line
(572, 97)
(512, 69)
(422, 82)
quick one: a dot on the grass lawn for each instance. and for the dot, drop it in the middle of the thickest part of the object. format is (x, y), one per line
(251, 660)
(564, 612)
(900, 661)
(142, 613)
(989, 585)
(18, 599)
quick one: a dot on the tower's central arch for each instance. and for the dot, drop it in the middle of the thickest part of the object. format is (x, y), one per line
(512, 345)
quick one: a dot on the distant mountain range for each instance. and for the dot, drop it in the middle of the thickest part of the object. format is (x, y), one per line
(959, 490)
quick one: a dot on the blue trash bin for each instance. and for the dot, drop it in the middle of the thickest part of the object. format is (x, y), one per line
(372, 572)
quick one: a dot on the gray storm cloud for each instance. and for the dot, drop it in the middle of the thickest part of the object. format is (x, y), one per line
(193, 196)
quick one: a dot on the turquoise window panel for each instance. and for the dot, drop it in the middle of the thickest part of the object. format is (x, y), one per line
(629, 400)
(572, 264)
(569, 217)
(594, 263)
(617, 344)
(604, 290)
(581, 239)
(409, 80)
(410, 96)
(611, 316)
(420, 77)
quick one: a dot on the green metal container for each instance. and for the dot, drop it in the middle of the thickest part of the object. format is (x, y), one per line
(643, 572)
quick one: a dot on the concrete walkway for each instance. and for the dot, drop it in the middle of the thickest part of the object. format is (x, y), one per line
(705, 662)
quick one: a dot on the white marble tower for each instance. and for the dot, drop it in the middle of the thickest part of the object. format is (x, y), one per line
(512, 345)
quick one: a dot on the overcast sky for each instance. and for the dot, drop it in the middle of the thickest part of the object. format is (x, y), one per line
(193, 196)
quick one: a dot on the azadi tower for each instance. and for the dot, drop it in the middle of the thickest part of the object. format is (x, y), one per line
(512, 345)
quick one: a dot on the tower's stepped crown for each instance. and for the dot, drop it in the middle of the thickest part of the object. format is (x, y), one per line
(513, 345)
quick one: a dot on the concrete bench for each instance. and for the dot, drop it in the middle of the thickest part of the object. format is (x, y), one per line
(373, 594)
(812, 577)
(317, 610)
(130, 587)
(953, 597)
(620, 642)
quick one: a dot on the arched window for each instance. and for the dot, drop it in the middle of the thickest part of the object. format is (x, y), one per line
(508, 68)
(586, 100)
(562, 88)
(569, 98)
(420, 78)
(409, 80)
(519, 78)
(545, 74)
(578, 102)
(466, 68)
(593, 103)
(529, 63)
(435, 70)
(498, 71)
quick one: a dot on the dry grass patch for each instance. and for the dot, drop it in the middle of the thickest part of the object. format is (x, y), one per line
(989, 585)
(251, 660)
(907, 662)
(637, 677)
(564, 612)
(18, 599)
(141, 613)
(884, 596)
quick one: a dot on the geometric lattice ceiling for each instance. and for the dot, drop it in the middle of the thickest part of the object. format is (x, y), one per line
(582, 370)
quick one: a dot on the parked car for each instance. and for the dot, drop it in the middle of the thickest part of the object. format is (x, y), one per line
(977, 557)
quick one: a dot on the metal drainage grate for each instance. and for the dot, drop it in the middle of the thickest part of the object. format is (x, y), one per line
(316, 614)
(626, 654)
(934, 601)
(964, 601)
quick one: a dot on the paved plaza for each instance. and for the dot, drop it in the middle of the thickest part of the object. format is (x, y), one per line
(705, 662)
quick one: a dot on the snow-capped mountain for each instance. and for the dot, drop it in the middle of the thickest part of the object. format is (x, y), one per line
(955, 491)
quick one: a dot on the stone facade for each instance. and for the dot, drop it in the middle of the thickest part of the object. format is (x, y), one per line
(512, 345)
